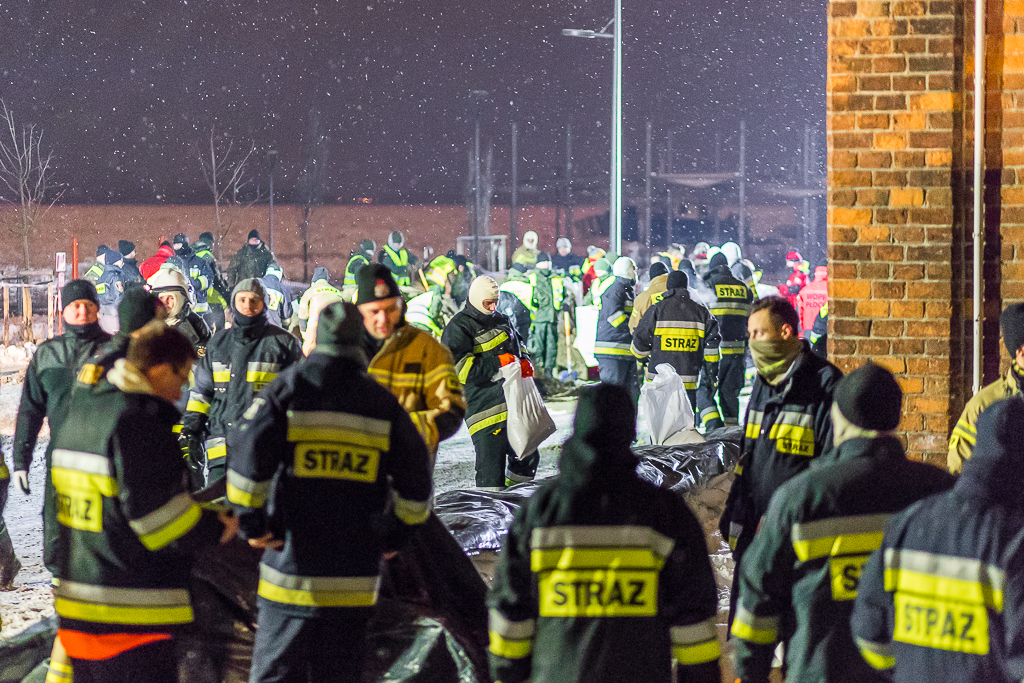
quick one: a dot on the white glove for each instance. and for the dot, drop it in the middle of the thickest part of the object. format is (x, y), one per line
(21, 476)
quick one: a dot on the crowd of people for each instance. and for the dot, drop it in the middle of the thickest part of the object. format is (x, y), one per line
(315, 425)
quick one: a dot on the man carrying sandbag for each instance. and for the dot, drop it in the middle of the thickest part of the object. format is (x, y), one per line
(482, 341)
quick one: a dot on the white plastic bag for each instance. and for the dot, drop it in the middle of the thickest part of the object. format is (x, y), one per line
(529, 422)
(665, 404)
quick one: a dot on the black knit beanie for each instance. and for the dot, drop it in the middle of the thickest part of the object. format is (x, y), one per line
(339, 325)
(1012, 324)
(136, 309)
(657, 269)
(76, 290)
(125, 247)
(870, 398)
(375, 282)
(253, 235)
(102, 249)
(677, 280)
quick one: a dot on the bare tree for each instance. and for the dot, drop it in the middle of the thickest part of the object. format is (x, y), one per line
(26, 168)
(225, 173)
(312, 183)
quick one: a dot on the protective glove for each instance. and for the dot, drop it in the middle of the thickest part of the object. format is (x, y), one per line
(527, 368)
(21, 476)
(506, 359)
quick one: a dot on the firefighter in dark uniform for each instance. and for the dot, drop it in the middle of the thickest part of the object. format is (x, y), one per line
(173, 291)
(611, 347)
(603, 576)
(803, 567)
(482, 341)
(218, 291)
(788, 422)
(127, 526)
(46, 394)
(681, 332)
(943, 598)
(731, 308)
(324, 431)
(239, 362)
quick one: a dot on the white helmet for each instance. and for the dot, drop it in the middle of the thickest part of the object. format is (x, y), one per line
(624, 267)
(275, 270)
(530, 239)
(732, 252)
(701, 251)
(170, 280)
(563, 243)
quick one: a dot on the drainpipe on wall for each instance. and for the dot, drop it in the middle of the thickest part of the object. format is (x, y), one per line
(979, 168)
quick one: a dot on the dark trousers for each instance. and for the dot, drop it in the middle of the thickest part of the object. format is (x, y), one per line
(731, 371)
(620, 370)
(544, 345)
(293, 649)
(496, 461)
(51, 527)
(151, 663)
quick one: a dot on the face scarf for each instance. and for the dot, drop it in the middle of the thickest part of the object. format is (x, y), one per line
(773, 358)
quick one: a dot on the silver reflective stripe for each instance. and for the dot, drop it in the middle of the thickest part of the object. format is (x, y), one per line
(323, 418)
(216, 441)
(839, 526)
(947, 566)
(745, 616)
(164, 515)
(257, 490)
(733, 345)
(735, 529)
(90, 463)
(510, 630)
(788, 417)
(517, 478)
(196, 396)
(679, 324)
(754, 417)
(313, 584)
(219, 367)
(127, 597)
(695, 633)
(487, 335)
(411, 511)
(610, 345)
(880, 649)
(689, 380)
(263, 367)
(591, 536)
(615, 314)
(484, 414)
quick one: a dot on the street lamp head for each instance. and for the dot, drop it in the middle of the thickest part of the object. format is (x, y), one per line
(578, 33)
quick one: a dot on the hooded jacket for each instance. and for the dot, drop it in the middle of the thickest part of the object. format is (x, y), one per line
(945, 592)
(799, 577)
(603, 576)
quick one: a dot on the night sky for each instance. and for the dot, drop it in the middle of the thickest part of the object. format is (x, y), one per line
(125, 90)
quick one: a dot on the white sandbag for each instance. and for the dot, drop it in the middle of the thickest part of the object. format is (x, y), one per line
(529, 422)
(665, 404)
(586, 333)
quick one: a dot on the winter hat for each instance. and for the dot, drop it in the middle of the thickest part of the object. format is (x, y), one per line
(530, 239)
(602, 266)
(367, 246)
(249, 284)
(137, 308)
(102, 250)
(339, 326)
(396, 240)
(1012, 324)
(207, 238)
(563, 243)
(593, 251)
(451, 254)
(624, 267)
(686, 266)
(870, 398)
(125, 247)
(657, 268)
(76, 290)
(677, 280)
(717, 260)
(483, 288)
(375, 282)
(544, 260)
(320, 273)
(180, 239)
(253, 235)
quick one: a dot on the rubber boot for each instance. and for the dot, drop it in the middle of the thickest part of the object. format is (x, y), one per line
(10, 565)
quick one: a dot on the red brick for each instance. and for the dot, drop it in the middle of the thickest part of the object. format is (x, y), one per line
(888, 290)
(873, 309)
(873, 347)
(852, 328)
(911, 310)
(874, 271)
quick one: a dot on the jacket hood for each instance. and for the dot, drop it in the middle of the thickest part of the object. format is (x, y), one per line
(603, 431)
(165, 250)
(995, 471)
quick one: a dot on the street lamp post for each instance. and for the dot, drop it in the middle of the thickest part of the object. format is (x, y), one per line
(615, 191)
(272, 164)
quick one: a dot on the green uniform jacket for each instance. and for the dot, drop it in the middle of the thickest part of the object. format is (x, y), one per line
(965, 433)
(127, 524)
(799, 578)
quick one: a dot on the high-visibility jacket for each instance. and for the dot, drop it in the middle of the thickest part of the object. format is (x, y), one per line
(521, 289)
(239, 362)
(476, 341)
(218, 292)
(681, 332)
(965, 433)
(799, 578)
(127, 523)
(94, 272)
(613, 337)
(327, 451)
(398, 263)
(420, 372)
(356, 262)
(424, 312)
(317, 287)
(943, 597)
(733, 300)
(548, 296)
(786, 426)
(278, 301)
(199, 273)
(654, 293)
(437, 272)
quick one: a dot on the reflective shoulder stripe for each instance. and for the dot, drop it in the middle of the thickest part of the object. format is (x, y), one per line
(167, 523)
(944, 576)
(761, 630)
(216, 447)
(838, 536)
(197, 403)
(510, 639)
(494, 342)
(411, 512)
(245, 491)
(487, 418)
(597, 536)
(463, 367)
(696, 644)
(341, 427)
(878, 655)
(221, 372)
(317, 591)
(89, 463)
(106, 605)
(261, 372)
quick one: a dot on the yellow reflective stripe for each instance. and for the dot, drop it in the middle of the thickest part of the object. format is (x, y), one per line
(110, 605)
(463, 367)
(944, 576)
(244, 491)
(697, 654)
(711, 357)
(101, 288)
(964, 434)
(168, 523)
(4, 472)
(107, 614)
(607, 350)
(731, 352)
(509, 649)
(411, 512)
(967, 427)
(222, 376)
(595, 558)
(761, 630)
(878, 655)
(198, 406)
(255, 376)
(637, 352)
(856, 534)
(492, 344)
(80, 481)
(218, 451)
(58, 672)
(357, 430)
(793, 439)
(318, 591)
(959, 590)
(488, 422)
